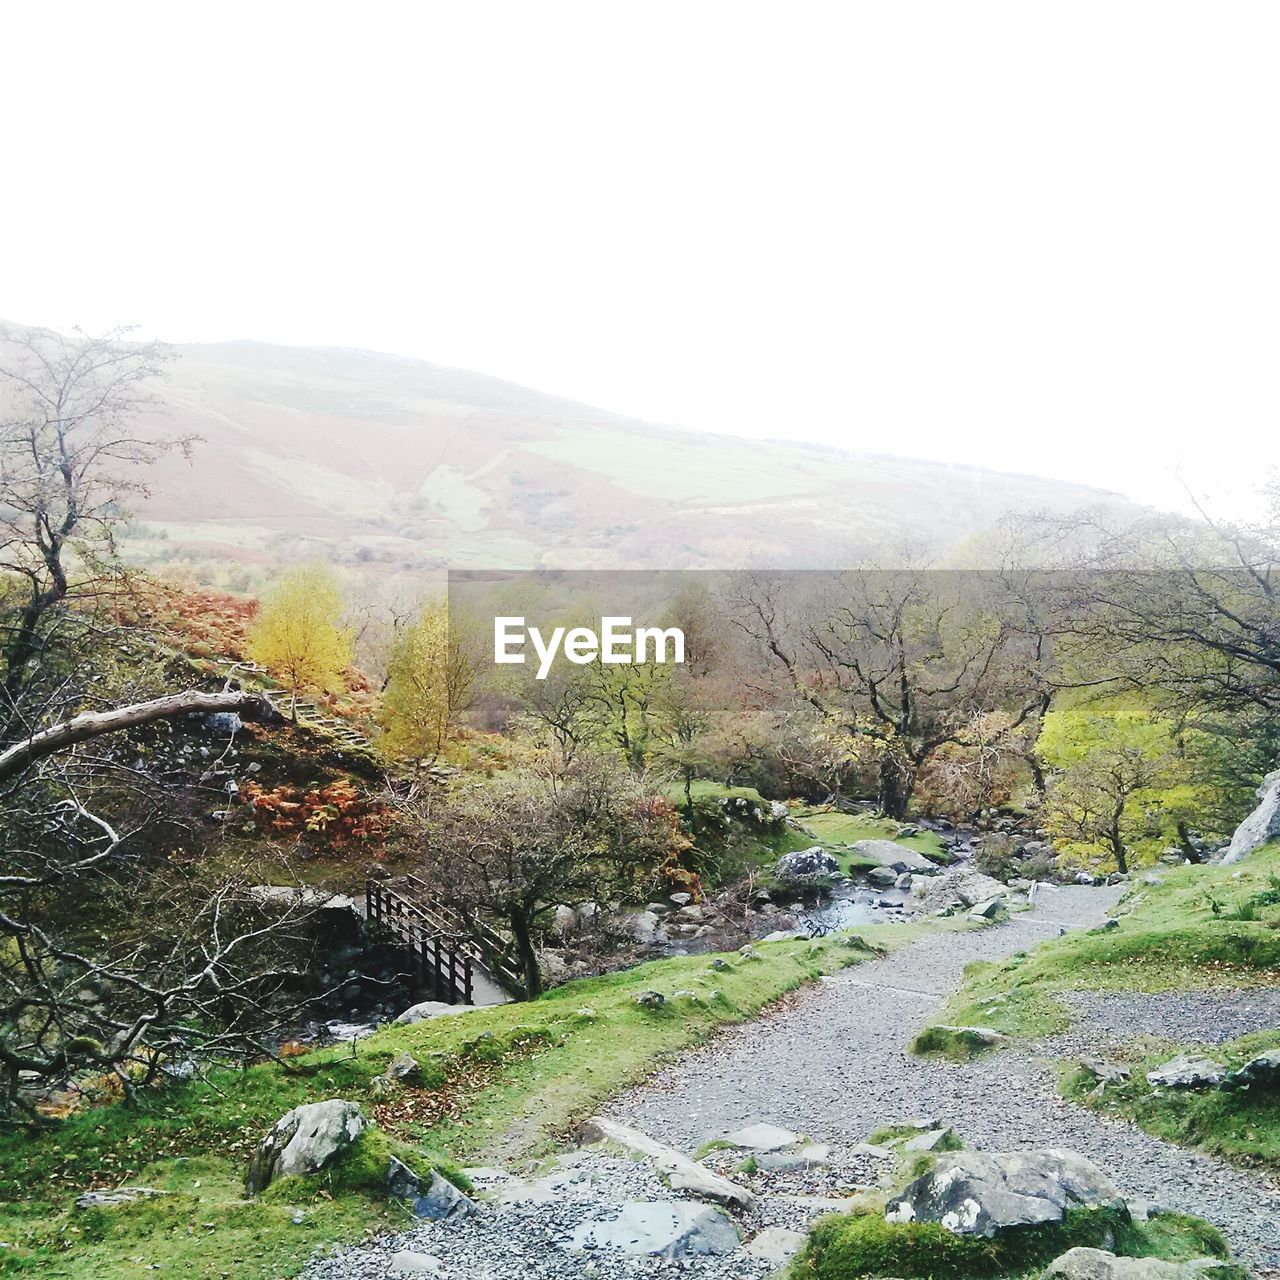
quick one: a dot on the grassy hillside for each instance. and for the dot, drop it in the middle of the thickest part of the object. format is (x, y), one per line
(496, 1083)
(398, 464)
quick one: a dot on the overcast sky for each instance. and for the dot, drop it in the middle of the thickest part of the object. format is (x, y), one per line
(1041, 237)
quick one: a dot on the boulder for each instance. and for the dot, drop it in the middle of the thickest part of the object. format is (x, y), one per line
(809, 1157)
(958, 887)
(661, 1229)
(761, 1138)
(431, 1009)
(564, 920)
(987, 910)
(1188, 1071)
(1262, 1072)
(1261, 826)
(883, 876)
(651, 999)
(1097, 1264)
(945, 1139)
(304, 1140)
(807, 866)
(644, 926)
(682, 1174)
(980, 1193)
(436, 1198)
(896, 857)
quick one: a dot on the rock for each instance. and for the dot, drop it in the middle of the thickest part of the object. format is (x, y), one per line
(781, 935)
(404, 1066)
(776, 1245)
(1261, 826)
(904, 881)
(762, 1137)
(1097, 1264)
(1262, 1072)
(682, 899)
(223, 722)
(980, 1193)
(304, 1140)
(564, 920)
(682, 1174)
(934, 1140)
(643, 926)
(957, 887)
(1105, 1072)
(987, 910)
(651, 999)
(438, 1200)
(406, 1262)
(1086, 877)
(883, 876)
(662, 1229)
(809, 1157)
(1188, 1071)
(431, 1009)
(896, 857)
(807, 866)
(112, 1199)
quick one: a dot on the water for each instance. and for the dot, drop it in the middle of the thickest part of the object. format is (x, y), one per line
(851, 910)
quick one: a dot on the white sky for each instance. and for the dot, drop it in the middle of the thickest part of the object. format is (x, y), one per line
(1042, 237)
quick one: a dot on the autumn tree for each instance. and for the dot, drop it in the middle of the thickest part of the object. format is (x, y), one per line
(429, 677)
(506, 851)
(298, 636)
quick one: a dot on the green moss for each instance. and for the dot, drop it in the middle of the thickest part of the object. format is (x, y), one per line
(848, 1246)
(957, 1043)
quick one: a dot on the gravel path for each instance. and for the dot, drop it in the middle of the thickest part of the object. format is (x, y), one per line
(831, 1064)
(834, 1066)
(1187, 1017)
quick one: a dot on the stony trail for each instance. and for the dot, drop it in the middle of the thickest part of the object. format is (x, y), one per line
(829, 1063)
(834, 1066)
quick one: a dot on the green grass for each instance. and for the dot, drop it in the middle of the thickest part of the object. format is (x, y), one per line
(833, 830)
(499, 1082)
(1202, 928)
(1240, 1125)
(727, 844)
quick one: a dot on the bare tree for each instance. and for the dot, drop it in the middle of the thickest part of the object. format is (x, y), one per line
(71, 458)
(910, 662)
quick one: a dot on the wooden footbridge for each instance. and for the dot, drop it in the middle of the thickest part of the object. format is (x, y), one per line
(450, 960)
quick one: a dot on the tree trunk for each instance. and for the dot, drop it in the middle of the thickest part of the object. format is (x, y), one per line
(897, 781)
(523, 937)
(93, 724)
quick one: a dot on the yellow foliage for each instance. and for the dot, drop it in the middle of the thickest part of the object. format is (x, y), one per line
(297, 636)
(428, 683)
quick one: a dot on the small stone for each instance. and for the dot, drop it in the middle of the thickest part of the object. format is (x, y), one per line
(776, 1245)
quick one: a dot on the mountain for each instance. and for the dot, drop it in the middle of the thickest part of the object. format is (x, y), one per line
(381, 460)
